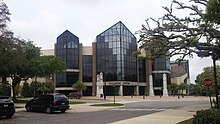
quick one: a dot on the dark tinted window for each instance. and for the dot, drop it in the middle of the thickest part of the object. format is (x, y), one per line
(67, 49)
(60, 97)
(114, 54)
(4, 97)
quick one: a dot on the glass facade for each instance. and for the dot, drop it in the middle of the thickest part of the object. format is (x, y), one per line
(160, 64)
(114, 48)
(142, 70)
(87, 68)
(67, 48)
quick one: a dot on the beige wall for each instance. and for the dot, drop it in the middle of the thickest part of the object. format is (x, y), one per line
(47, 52)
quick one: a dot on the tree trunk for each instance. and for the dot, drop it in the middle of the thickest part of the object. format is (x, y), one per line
(15, 81)
(13, 93)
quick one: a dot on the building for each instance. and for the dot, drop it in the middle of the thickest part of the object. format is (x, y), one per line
(180, 72)
(111, 56)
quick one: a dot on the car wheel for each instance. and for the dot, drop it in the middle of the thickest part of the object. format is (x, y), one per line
(9, 116)
(28, 109)
(48, 110)
(63, 110)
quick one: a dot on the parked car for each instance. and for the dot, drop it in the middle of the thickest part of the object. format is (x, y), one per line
(48, 103)
(7, 107)
(74, 95)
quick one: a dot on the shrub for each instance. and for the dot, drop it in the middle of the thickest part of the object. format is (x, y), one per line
(25, 90)
(209, 116)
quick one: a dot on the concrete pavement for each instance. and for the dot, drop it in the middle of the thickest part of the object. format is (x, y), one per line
(170, 116)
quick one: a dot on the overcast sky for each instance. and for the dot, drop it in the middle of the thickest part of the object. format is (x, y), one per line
(42, 21)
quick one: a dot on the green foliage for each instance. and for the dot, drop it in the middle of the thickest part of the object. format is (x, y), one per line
(182, 86)
(25, 92)
(173, 87)
(4, 18)
(180, 35)
(208, 73)
(79, 86)
(108, 104)
(34, 88)
(42, 66)
(46, 87)
(213, 11)
(194, 89)
(76, 102)
(209, 116)
(14, 52)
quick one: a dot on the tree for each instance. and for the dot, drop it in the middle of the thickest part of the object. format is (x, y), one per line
(43, 66)
(194, 89)
(182, 87)
(46, 87)
(34, 88)
(213, 11)
(207, 73)
(180, 35)
(25, 90)
(4, 19)
(14, 52)
(173, 88)
(79, 86)
(18, 68)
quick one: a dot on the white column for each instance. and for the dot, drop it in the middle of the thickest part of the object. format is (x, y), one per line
(121, 90)
(101, 84)
(137, 90)
(97, 86)
(151, 92)
(165, 93)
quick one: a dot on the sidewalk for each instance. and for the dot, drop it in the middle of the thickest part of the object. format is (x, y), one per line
(170, 116)
(165, 117)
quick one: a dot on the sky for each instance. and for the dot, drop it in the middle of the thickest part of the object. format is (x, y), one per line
(42, 21)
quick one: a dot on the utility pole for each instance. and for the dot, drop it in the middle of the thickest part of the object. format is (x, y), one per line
(215, 81)
(206, 50)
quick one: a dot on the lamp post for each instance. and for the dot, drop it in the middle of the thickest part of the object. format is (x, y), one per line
(105, 81)
(206, 50)
(114, 91)
(215, 80)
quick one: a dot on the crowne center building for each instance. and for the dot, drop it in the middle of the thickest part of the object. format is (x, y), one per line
(111, 55)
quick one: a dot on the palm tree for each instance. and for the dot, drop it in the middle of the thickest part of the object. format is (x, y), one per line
(46, 87)
(182, 86)
(79, 86)
(173, 88)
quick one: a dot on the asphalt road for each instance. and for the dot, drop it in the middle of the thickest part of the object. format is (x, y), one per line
(131, 110)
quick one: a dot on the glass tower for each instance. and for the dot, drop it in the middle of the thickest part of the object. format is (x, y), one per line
(67, 48)
(114, 49)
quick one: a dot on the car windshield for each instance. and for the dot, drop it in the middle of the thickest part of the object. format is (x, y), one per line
(60, 97)
(4, 97)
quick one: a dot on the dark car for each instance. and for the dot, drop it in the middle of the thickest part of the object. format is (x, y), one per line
(7, 107)
(48, 103)
(74, 95)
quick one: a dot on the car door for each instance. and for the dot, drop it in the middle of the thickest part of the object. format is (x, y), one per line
(35, 103)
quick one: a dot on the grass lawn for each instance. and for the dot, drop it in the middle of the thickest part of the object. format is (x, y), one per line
(108, 104)
(76, 102)
(23, 99)
(189, 121)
